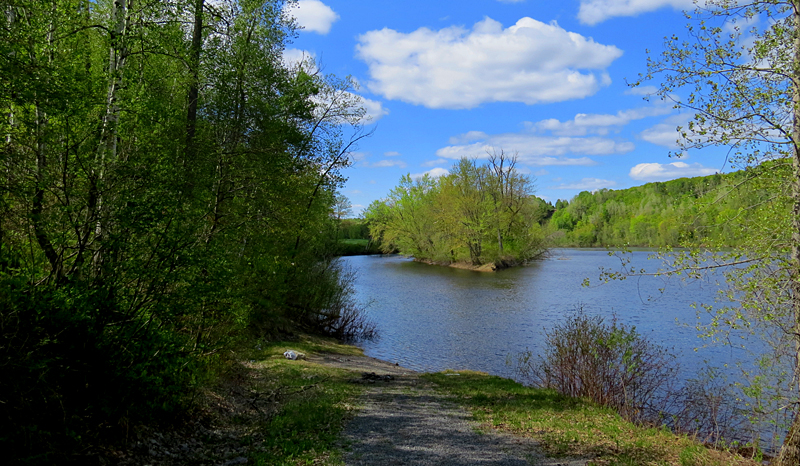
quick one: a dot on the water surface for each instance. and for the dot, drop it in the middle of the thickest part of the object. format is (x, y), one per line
(433, 318)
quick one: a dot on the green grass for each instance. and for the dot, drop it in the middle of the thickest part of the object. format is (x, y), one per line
(314, 402)
(353, 247)
(573, 427)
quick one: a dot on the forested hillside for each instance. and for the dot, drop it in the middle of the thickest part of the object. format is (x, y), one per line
(717, 210)
(167, 185)
(478, 214)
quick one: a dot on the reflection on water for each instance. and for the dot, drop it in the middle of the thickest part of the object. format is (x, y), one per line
(433, 318)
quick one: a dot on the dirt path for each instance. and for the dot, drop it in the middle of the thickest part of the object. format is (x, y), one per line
(404, 421)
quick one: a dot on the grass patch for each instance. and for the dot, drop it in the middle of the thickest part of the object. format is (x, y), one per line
(574, 427)
(355, 247)
(312, 402)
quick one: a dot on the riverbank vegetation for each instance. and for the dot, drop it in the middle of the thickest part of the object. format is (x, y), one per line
(711, 211)
(167, 192)
(477, 214)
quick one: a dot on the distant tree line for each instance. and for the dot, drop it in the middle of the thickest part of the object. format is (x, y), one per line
(477, 214)
(716, 210)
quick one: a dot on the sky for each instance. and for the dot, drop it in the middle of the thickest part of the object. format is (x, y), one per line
(546, 81)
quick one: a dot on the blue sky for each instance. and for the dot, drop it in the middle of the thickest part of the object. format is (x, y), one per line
(545, 80)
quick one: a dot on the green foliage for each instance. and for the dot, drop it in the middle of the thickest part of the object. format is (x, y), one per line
(162, 193)
(610, 364)
(736, 73)
(476, 214)
(707, 211)
(68, 370)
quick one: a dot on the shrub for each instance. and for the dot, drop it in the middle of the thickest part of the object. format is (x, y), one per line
(610, 364)
(69, 375)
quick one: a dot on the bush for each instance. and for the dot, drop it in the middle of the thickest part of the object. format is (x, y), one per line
(609, 364)
(338, 314)
(70, 374)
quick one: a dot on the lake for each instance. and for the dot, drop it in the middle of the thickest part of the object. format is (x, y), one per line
(433, 318)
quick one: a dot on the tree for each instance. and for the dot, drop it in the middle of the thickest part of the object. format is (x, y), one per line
(741, 67)
(342, 207)
(478, 213)
(159, 166)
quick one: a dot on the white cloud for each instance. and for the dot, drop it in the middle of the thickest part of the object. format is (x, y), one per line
(389, 163)
(433, 163)
(533, 149)
(668, 171)
(665, 133)
(587, 184)
(601, 124)
(375, 110)
(433, 173)
(595, 11)
(295, 57)
(642, 90)
(530, 62)
(314, 16)
(391, 154)
(358, 156)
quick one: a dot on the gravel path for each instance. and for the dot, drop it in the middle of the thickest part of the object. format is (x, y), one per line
(404, 421)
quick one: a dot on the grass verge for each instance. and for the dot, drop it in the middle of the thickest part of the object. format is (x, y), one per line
(357, 247)
(310, 404)
(574, 427)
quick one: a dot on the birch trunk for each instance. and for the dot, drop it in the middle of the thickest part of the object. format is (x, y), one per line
(790, 452)
(107, 149)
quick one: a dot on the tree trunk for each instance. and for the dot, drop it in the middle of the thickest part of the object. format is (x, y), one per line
(790, 452)
(194, 85)
(107, 149)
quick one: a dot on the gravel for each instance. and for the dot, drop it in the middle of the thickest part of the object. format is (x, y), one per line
(403, 420)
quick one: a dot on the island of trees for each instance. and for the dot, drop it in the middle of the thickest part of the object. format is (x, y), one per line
(478, 215)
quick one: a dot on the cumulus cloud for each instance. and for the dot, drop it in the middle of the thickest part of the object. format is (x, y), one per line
(458, 68)
(433, 163)
(314, 16)
(668, 171)
(587, 184)
(642, 90)
(358, 156)
(534, 149)
(391, 154)
(592, 12)
(375, 110)
(293, 58)
(601, 124)
(665, 134)
(389, 163)
(433, 173)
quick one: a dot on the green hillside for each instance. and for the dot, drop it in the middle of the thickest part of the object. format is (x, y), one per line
(717, 210)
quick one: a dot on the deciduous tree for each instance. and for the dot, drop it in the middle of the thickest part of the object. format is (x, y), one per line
(740, 67)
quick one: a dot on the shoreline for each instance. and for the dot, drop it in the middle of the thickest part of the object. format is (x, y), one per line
(484, 268)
